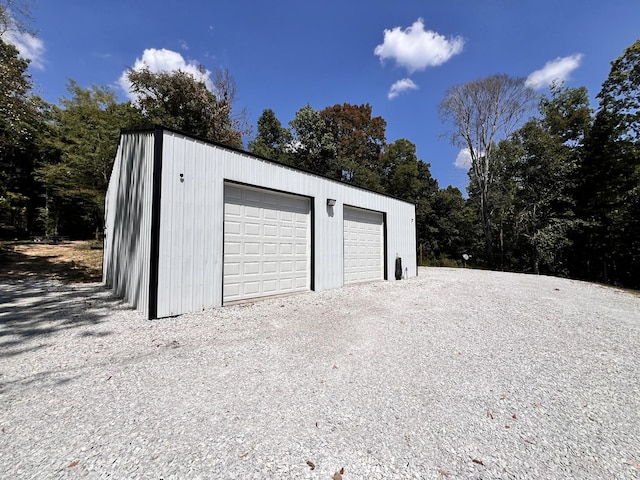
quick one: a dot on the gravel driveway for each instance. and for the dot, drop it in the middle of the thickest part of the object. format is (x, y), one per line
(458, 373)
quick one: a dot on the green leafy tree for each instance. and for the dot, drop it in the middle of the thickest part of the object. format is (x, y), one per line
(452, 226)
(535, 173)
(400, 170)
(272, 141)
(480, 112)
(609, 194)
(81, 143)
(19, 124)
(178, 100)
(360, 139)
(314, 146)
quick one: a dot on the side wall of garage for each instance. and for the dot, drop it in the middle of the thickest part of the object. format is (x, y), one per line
(128, 215)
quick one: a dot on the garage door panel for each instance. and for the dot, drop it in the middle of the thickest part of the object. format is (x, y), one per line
(363, 245)
(266, 243)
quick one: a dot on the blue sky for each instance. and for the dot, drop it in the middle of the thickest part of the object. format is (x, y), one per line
(400, 56)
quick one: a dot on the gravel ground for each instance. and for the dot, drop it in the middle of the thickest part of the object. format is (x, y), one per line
(455, 374)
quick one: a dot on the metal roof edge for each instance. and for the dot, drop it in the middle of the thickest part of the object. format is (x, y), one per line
(153, 128)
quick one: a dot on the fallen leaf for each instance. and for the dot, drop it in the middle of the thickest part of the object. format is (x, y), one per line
(312, 465)
(479, 462)
(244, 455)
(633, 464)
(443, 472)
(490, 415)
(109, 377)
(530, 441)
(514, 416)
(73, 464)
(507, 426)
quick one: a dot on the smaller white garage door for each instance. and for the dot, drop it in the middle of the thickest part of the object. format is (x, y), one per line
(363, 245)
(266, 243)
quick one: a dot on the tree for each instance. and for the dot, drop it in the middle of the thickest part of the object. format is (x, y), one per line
(178, 100)
(609, 193)
(19, 120)
(81, 142)
(537, 174)
(14, 15)
(272, 140)
(314, 146)
(451, 225)
(360, 139)
(400, 170)
(481, 111)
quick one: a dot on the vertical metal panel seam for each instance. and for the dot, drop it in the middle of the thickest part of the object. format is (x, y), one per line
(154, 253)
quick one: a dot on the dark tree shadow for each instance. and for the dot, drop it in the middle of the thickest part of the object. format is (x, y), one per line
(33, 310)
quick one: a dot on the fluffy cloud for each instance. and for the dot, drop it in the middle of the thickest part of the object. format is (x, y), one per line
(463, 160)
(163, 60)
(558, 69)
(401, 86)
(416, 48)
(30, 47)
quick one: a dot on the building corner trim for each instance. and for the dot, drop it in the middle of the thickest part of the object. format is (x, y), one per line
(154, 252)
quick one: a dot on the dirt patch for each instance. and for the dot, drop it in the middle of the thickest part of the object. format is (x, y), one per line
(74, 261)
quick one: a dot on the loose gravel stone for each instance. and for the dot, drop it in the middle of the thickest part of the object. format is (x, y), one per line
(472, 373)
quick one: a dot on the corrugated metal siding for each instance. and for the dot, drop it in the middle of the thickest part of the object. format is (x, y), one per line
(190, 260)
(191, 220)
(128, 220)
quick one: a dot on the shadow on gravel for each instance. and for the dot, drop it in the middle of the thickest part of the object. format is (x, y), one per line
(49, 378)
(31, 310)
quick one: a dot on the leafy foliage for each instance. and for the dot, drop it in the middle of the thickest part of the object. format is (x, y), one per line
(480, 111)
(609, 191)
(19, 125)
(178, 100)
(81, 141)
(360, 139)
(272, 141)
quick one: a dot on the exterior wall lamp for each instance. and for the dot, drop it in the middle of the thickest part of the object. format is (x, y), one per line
(331, 202)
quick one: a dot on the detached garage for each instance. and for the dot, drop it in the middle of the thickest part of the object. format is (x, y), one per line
(192, 225)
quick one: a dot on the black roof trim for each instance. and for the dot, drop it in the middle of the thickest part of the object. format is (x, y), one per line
(156, 127)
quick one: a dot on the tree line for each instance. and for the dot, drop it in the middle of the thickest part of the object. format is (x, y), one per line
(555, 192)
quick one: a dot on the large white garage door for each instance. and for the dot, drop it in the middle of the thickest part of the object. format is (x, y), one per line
(363, 245)
(266, 243)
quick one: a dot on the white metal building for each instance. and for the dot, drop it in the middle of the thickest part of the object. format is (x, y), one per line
(192, 225)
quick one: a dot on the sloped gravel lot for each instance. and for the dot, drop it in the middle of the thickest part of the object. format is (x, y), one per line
(458, 373)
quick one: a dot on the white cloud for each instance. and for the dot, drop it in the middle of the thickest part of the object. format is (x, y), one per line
(163, 60)
(29, 46)
(401, 86)
(558, 69)
(416, 48)
(463, 160)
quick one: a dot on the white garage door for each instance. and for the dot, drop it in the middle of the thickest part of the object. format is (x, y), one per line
(363, 245)
(266, 243)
